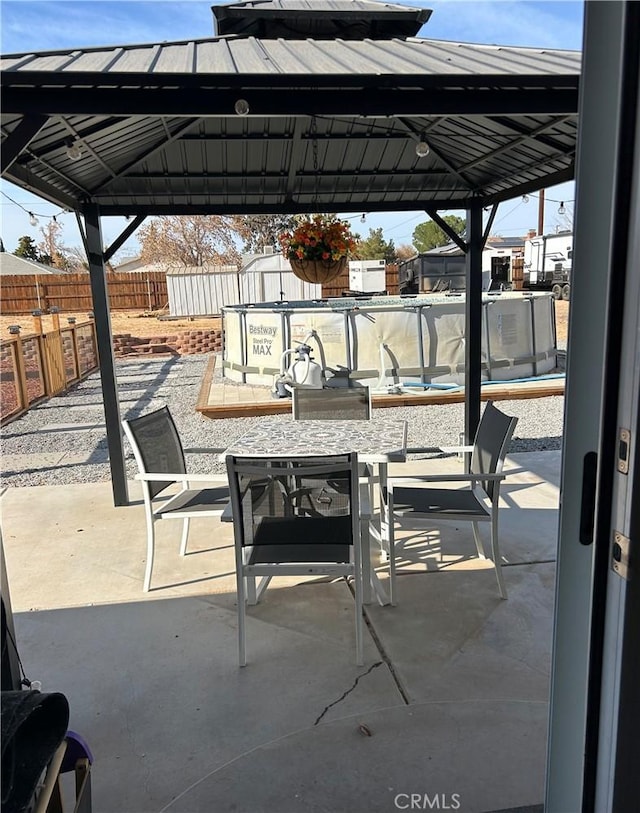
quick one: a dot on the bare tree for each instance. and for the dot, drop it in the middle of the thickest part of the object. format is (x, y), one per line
(405, 252)
(51, 246)
(258, 231)
(189, 240)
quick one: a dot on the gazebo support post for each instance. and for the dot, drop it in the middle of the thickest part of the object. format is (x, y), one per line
(473, 321)
(95, 256)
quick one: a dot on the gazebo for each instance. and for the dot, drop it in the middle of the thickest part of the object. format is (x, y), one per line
(291, 107)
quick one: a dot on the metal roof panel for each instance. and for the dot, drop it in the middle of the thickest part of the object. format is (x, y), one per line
(248, 55)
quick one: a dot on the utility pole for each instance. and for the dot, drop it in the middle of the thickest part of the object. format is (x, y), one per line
(541, 212)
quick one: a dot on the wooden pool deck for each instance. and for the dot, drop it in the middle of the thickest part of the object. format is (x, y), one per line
(226, 399)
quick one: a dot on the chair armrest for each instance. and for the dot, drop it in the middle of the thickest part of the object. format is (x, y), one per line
(158, 477)
(444, 478)
(455, 449)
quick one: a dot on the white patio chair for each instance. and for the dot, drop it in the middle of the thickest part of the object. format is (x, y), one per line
(477, 503)
(289, 520)
(161, 463)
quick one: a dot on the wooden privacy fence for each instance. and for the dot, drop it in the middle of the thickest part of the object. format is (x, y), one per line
(43, 364)
(71, 293)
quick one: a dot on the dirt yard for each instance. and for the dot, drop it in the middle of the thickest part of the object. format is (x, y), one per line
(138, 325)
(121, 322)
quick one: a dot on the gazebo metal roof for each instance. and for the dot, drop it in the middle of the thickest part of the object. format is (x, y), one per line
(159, 134)
(286, 122)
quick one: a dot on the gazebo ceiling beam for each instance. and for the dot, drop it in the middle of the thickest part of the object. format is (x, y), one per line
(522, 129)
(527, 187)
(446, 228)
(83, 133)
(19, 138)
(524, 168)
(362, 101)
(146, 154)
(295, 158)
(278, 206)
(410, 127)
(38, 186)
(529, 136)
(286, 81)
(86, 145)
(122, 238)
(336, 173)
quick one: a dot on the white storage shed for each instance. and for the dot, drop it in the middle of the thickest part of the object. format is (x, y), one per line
(268, 277)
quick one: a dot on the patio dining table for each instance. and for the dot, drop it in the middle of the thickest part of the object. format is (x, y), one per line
(377, 443)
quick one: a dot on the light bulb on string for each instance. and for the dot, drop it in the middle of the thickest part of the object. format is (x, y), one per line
(241, 107)
(562, 209)
(33, 220)
(525, 198)
(363, 218)
(422, 148)
(74, 150)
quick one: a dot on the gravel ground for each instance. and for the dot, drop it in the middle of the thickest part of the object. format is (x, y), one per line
(64, 440)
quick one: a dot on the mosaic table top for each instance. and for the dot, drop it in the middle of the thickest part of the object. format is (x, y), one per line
(378, 441)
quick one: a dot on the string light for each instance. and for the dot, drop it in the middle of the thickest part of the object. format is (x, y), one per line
(74, 150)
(35, 217)
(422, 148)
(241, 107)
(562, 209)
(525, 198)
(363, 218)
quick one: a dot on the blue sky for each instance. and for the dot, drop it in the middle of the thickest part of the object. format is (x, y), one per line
(27, 26)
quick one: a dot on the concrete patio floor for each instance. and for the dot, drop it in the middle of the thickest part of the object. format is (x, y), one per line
(451, 704)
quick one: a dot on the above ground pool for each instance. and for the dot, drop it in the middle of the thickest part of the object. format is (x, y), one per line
(391, 341)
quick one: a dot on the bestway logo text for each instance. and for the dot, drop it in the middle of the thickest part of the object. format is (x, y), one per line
(262, 330)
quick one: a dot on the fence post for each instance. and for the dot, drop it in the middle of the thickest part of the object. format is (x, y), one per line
(55, 317)
(37, 321)
(21, 372)
(74, 345)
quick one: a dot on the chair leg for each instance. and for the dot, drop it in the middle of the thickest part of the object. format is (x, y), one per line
(478, 540)
(390, 533)
(242, 642)
(185, 535)
(252, 593)
(150, 553)
(365, 547)
(358, 608)
(495, 551)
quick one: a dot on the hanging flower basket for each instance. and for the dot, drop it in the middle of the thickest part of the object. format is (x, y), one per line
(318, 271)
(318, 248)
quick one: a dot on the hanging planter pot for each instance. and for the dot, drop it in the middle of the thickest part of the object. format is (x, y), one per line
(318, 271)
(318, 248)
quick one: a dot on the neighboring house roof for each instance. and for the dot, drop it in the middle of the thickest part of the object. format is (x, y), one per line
(451, 249)
(136, 266)
(505, 242)
(10, 265)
